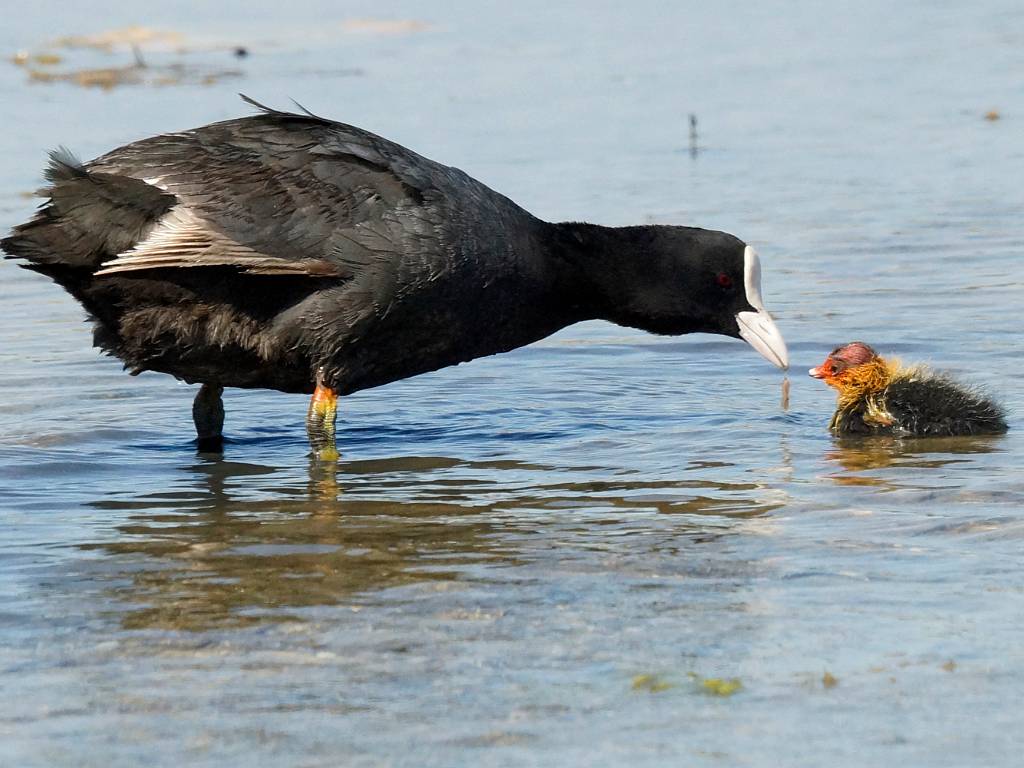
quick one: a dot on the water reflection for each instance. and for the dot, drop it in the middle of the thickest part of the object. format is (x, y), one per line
(859, 455)
(236, 544)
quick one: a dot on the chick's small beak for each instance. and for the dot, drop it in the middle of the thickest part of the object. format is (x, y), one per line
(758, 328)
(817, 373)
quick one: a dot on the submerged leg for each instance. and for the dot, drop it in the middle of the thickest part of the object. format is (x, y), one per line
(208, 415)
(323, 409)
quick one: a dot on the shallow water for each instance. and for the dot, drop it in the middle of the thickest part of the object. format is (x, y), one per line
(508, 546)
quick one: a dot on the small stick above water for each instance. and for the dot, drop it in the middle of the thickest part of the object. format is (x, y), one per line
(137, 54)
(693, 135)
(785, 394)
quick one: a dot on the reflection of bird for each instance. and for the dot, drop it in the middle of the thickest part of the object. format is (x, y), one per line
(879, 396)
(291, 252)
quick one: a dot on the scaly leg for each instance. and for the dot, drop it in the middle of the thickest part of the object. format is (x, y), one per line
(208, 415)
(323, 409)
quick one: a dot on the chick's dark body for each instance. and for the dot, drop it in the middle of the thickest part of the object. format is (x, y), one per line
(935, 406)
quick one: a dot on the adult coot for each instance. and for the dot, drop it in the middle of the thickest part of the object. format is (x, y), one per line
(883, 397)
(296, 253)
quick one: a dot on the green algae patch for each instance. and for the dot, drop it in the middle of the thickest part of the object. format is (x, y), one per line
(650, 683)
(718, 686)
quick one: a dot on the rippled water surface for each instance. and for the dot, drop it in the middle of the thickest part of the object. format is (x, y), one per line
(564, 555)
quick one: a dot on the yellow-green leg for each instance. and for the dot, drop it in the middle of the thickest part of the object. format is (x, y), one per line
(208, 415)
(323, 410)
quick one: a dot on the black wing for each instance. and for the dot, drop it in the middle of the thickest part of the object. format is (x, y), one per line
(288, 193)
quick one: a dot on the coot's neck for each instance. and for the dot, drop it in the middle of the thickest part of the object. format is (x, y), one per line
(596, 267)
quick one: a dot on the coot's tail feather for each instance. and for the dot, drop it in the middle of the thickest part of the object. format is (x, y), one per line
(89, 217)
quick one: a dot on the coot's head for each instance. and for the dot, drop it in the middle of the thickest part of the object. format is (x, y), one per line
(687, 280)
(848, 366)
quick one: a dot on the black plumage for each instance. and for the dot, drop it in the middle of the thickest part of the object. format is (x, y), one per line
(933, 405)
(291, 252)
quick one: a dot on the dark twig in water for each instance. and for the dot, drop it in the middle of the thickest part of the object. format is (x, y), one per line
(137, 53)
(693, 135)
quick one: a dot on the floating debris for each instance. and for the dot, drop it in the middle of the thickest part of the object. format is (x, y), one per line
(133, 74)
(828, 680)
(992, 115)
(650, 683)
(24, 59)
(949, 666)
(124, 37)
(89, 78)
(42, 67)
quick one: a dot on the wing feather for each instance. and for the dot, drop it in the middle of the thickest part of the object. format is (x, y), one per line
(181, 239)
(283, 193)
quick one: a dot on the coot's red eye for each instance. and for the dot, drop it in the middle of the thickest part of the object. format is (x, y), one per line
(723, 280)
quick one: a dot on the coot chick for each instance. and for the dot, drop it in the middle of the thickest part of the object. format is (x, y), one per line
(883, 397)
(292, 252)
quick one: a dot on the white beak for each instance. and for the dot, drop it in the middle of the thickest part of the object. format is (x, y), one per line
(758, 328)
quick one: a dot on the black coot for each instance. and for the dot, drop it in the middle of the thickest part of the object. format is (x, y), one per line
(296, 253)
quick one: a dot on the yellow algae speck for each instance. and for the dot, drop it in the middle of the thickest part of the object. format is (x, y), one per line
(650, 683)
(717, 686)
